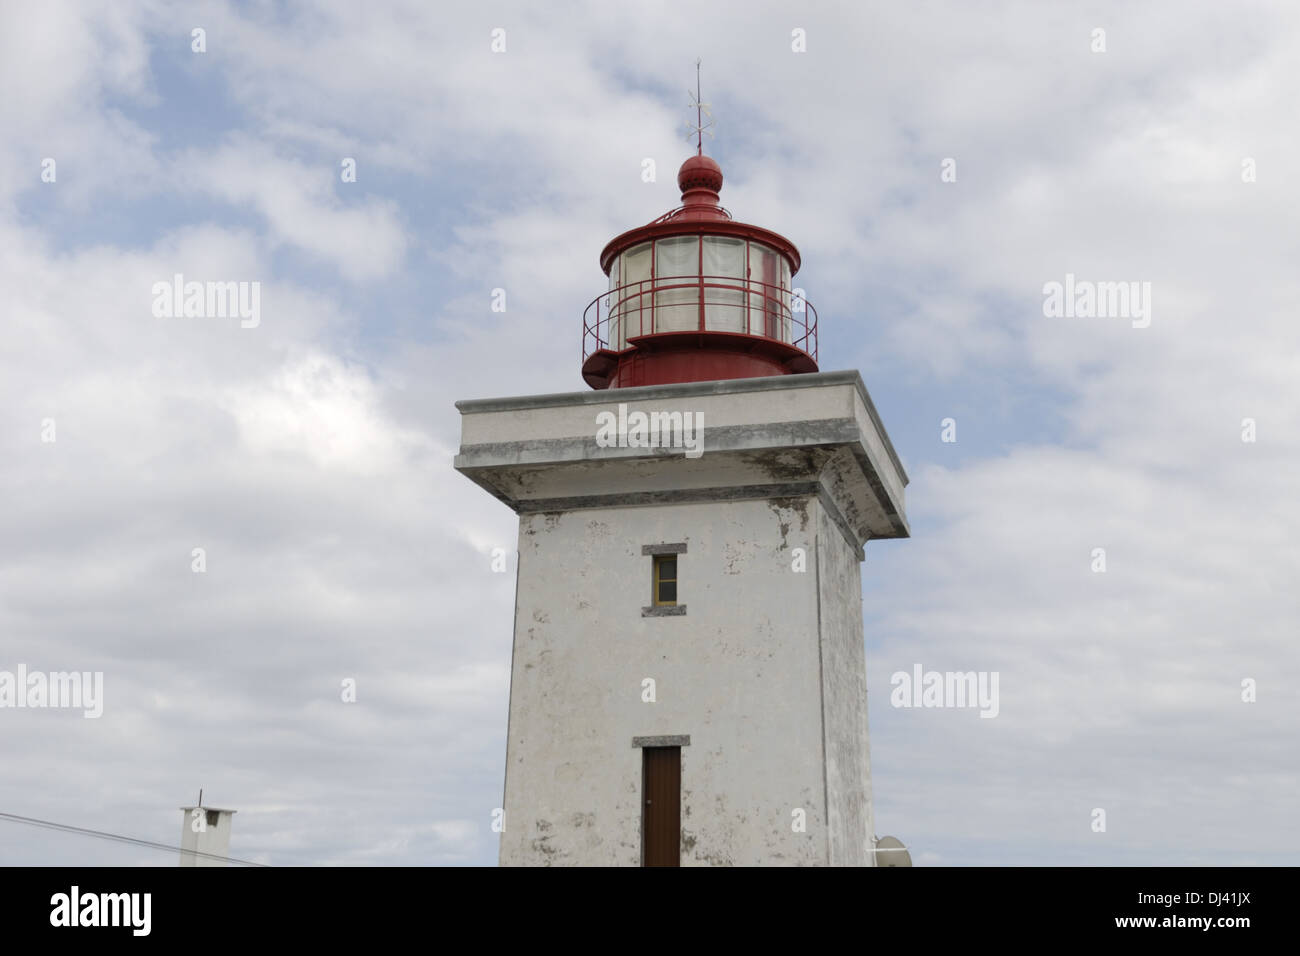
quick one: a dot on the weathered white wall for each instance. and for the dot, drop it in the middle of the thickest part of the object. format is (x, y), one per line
(844, 685)
(739, 673)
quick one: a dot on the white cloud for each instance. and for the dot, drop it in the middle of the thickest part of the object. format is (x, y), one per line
(363, 241)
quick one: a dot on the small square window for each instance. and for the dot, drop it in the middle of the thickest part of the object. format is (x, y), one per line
(665, 580)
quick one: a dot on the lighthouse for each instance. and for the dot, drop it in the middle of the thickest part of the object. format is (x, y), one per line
(688, 683)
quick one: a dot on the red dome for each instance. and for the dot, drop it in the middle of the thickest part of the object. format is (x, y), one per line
(700, 172)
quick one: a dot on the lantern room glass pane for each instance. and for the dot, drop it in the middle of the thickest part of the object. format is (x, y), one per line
(677, 265)
(631, 303)
(724, 271)
(765, 300)
(611, 305)
(791, 330)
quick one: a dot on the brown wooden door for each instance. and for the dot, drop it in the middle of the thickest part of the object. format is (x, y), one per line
(661, 811)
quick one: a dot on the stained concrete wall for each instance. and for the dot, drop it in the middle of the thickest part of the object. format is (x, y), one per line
(844, 699)
(740, 673)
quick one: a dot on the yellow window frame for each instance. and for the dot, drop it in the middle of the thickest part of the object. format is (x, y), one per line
(659, 579)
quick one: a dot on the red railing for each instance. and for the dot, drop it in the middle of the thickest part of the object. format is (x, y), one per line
(674, 213)
(768, 311)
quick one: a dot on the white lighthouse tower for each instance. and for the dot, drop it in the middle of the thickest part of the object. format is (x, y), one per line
(688, 684)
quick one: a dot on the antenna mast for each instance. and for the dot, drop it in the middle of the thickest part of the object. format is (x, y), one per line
(699, 119)
(701, 111)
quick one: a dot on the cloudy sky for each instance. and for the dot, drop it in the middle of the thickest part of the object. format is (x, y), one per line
(310, 456)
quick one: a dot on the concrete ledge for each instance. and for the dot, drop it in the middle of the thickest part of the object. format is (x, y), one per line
(726, 438)
(687, 495)
(663, 549)
(683, 740)
(783, 436)
(672, 610)
(690, 389)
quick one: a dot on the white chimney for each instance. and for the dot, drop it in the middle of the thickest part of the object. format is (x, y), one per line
(205, 830)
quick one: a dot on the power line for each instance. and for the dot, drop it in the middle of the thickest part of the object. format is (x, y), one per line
(104, 835)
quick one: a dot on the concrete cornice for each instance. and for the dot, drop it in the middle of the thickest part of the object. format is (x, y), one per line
(783, 436)
(688, 390)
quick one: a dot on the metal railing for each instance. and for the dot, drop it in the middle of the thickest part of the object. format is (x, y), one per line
(674, 213)
(637, 308)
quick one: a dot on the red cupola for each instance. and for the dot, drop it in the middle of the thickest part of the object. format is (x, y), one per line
(696, 297)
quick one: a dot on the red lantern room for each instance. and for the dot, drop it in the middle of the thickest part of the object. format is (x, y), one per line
(696, 296)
